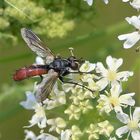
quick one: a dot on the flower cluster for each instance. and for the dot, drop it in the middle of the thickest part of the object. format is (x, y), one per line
(84, 111)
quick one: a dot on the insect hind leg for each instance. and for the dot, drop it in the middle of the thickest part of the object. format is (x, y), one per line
(41, 78)
(74, 83)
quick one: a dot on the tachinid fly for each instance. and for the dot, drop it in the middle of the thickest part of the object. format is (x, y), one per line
(55, 67)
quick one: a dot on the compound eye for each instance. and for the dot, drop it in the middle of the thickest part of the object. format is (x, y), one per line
(74, 66)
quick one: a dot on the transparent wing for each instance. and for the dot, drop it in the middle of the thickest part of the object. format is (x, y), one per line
(45, 87)
(35, 44)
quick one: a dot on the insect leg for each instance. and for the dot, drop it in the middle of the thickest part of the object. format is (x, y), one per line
(74, 83)
(41, 78)
(80, 72)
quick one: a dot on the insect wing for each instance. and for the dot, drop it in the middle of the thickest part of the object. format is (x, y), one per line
(45, 87)
(36, 45)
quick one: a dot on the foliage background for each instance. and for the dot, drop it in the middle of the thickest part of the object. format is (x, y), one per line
(94, 36)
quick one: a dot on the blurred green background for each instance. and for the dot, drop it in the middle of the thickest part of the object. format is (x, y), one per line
(93, 35)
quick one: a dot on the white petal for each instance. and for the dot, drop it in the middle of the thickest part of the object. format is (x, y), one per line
(30, 135)
(131, 39)
(134, 20)
(30, 101)
(124, 118)
(90, 2)
(113, 63)
(101, 69)
(123, 76)
(66, 135)
(127, 99)
(39, 61)
(116, 90)
(135, 4)
(118, 109)
(122, 130)
(125, 0)
(115, 83)
(45, 136)
(87, 67)
(106, 1)
(102, 83)
(135, 135)
(136, 114)
(67, 87)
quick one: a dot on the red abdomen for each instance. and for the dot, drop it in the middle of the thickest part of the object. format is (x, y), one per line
(27, 72)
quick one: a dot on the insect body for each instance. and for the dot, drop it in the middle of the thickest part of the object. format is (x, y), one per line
(54, 67)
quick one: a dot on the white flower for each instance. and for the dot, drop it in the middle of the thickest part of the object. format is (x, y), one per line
(135, 4)
(57, 98)
(131, 38)
(73, 112)
(105, 128)
(132, 124)
(43, 136)
(93, 132)
(76, 132)
(66, 135)
(29, 135)
(39, 117)
(85, 106)
(87, 67)
(111, 74)
(115, 101)
(57, 124)
(30, 102)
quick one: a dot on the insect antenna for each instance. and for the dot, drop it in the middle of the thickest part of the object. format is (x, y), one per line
(71, 51)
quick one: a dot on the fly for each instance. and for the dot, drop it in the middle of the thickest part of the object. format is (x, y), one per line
(55, 67)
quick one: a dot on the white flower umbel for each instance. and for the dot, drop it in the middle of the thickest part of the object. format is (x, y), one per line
(131, 38)
(57, 124)
(114, 101)
(135, 4)
(39, 117)
(111, 75)
(132, 124)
